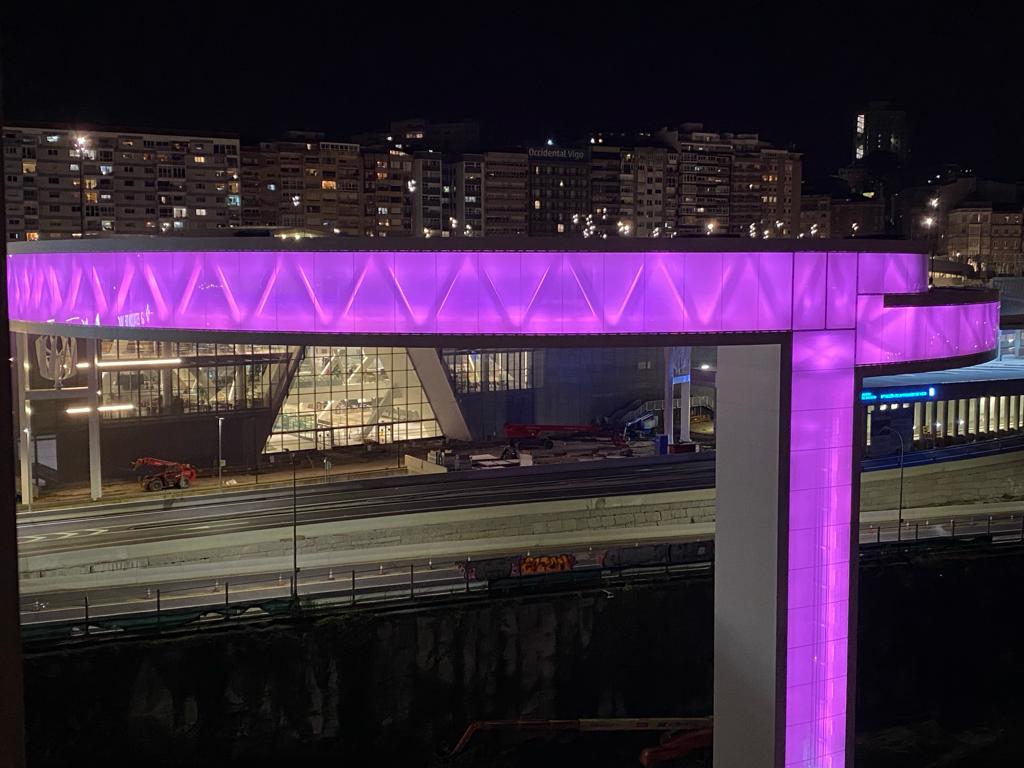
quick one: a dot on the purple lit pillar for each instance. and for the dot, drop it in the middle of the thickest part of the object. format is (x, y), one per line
(820, 494)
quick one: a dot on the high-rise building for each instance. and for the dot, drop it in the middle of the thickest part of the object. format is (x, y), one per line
(705, 169)
(388, 191)
(608, 195)
(303, 181)
(428, 215)
(505, 194)
(65, 183)
(765, 188)
(467, 194)
(559, 189)
(649, 194)
(880, 128)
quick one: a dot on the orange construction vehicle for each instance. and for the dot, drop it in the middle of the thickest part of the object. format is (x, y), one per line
(157, 474)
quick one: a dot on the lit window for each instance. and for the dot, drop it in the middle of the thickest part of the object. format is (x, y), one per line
(561, 227)
(200, 211)
(180, 213)
(328, 184)
(199, 159)
(536, 205)
(74, 166)
(108, 225)
(106, 170)
(28, 166)
(52, 139)
(234, 200)
(179, 225)
(31, 235)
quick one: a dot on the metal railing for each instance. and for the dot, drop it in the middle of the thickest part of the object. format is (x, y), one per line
(135, 609)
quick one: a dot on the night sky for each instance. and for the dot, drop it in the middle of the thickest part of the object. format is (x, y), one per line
(527, 72)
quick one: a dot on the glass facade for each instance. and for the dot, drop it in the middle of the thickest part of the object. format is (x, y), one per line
(502, 370)
(948, 422)
(323, 397)
(157, 378)
(344, 396)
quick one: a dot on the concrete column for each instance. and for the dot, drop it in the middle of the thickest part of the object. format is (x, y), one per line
(670, 396)
(682, 370)
(24, 419)
(438, 389)
(750, 637)
(166, 395)
(95, 455)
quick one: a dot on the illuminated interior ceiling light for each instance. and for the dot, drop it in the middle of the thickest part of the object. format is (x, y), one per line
(78, 409)
(138, 363)
(115, 407)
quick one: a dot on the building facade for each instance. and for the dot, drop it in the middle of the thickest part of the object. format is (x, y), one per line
(389, 189)
(987, 236)
(559, 189)
(303, 181)
(63, 183)
(506, 194)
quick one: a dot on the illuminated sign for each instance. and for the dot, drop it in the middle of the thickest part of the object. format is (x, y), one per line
(904, 395)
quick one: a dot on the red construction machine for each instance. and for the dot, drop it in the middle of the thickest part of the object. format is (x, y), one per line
(157, 474)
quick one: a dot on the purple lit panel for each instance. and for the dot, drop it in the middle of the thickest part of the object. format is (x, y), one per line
(664, 281)
(892, 273)
(809, 273)
(740, 283)
(458, 288)
(832, 303)
(702, 293)
(623, 298)
(775, 291)
(582, 291)
(841, 308)
(540, 288)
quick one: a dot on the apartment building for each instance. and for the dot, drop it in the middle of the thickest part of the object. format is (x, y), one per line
(505, 194)
(986, 235)
(303, 181)
(389, 189)
(559, 189)
(65, 183)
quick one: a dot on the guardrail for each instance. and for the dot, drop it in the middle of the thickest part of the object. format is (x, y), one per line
(141, 609)
(947, 453)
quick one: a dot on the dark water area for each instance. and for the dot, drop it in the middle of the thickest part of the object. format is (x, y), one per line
(939, 678)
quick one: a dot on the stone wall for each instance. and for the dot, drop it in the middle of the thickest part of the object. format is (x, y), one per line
(376, 690)
(989, 478)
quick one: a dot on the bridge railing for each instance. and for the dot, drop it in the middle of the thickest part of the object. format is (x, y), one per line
(134, 610)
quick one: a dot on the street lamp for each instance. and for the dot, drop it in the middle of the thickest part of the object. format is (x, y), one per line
(220, 452)
(899, 508)
(295, 530)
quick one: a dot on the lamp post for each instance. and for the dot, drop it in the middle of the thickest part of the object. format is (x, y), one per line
(220, 451)
(899, 508)
(26, 493)
(295, 530)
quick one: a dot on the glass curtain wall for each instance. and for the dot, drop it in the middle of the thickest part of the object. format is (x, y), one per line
(343, 396)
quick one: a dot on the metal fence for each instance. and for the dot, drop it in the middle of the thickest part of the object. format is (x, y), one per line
(139, 609)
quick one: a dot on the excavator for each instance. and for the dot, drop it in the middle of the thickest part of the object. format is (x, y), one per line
(157, 474)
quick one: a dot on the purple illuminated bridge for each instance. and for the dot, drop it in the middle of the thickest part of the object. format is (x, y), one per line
(833, 314)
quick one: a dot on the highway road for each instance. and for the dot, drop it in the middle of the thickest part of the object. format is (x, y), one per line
(176, 517)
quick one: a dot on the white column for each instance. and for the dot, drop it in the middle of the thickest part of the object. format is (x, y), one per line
(670, 396)
(95, 455)
(750, 641)
(24, 419)
(438, 389)
(682, 369)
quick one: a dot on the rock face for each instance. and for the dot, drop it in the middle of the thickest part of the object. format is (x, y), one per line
(373, 689)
